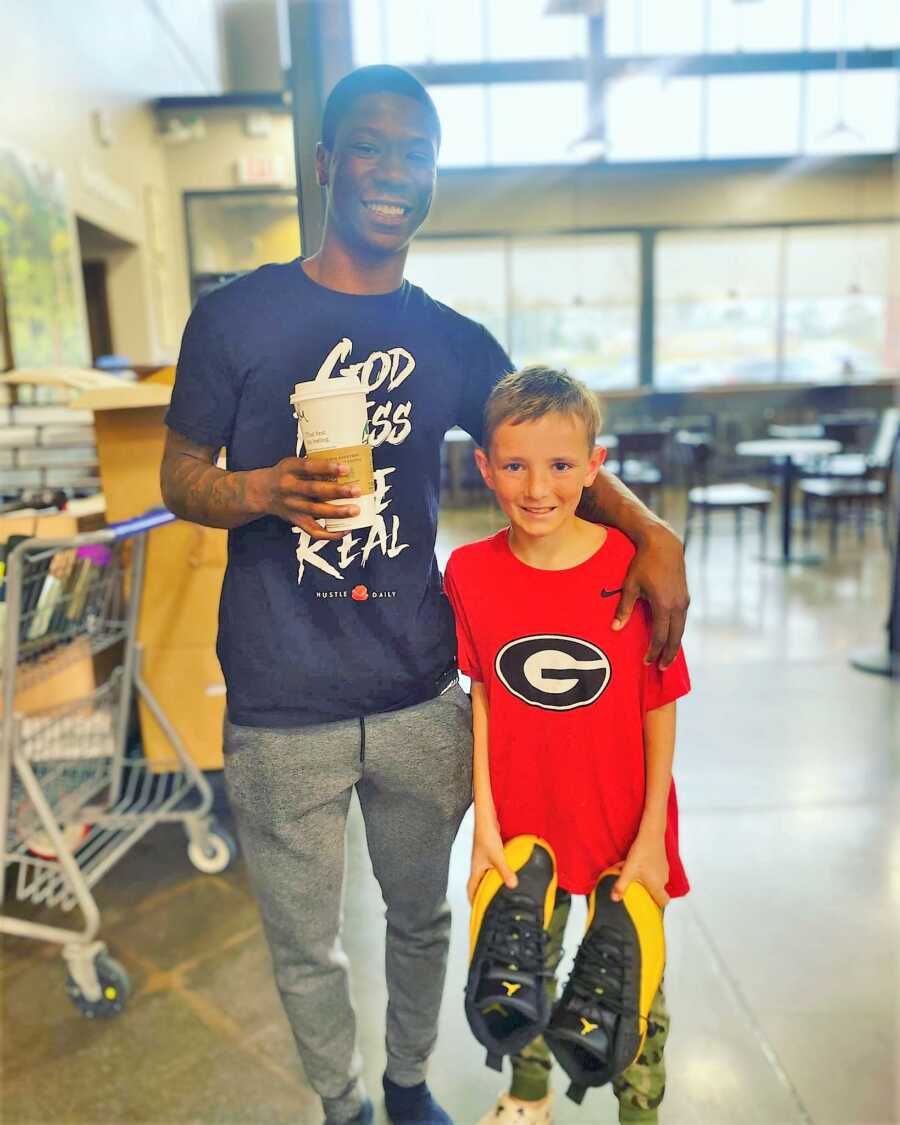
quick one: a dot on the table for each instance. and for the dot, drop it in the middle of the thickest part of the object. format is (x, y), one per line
(798, 430)
(787, 452)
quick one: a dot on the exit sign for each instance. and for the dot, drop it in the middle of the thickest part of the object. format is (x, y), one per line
(267, 170)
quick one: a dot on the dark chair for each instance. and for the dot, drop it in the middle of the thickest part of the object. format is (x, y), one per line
(641, 460)
(853, 461)
(854, 483)
(697, 452)
(695, 426)
(851, 429)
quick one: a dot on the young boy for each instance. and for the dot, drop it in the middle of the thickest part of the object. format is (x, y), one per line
(574, 733)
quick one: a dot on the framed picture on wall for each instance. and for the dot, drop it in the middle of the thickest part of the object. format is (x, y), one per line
(41, 278)
(6, 359)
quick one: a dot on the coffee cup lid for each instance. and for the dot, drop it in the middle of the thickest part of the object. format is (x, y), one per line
(322, 388)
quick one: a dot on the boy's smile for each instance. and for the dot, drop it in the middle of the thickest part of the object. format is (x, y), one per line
(538, 470)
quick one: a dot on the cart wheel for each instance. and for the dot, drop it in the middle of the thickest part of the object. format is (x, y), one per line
(216, 855)
(115, 988)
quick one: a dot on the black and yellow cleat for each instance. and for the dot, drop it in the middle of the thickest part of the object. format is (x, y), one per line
(599, 1024)
(506, 999)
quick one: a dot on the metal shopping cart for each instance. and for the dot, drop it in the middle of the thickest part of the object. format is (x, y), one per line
(73, 799)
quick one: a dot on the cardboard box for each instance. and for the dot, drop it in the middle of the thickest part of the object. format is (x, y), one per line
(182, 584)
(183, 577)
(55, 525)
(63, 676)
(187, 683)
(129, 449)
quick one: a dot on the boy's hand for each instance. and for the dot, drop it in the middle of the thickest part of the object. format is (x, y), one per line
(487, 852)
(646, 863)
(657, 573)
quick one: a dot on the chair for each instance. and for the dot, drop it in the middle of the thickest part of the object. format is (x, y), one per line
(847, 432)
(697, 452)
(849, 428)
(641, 460)
(854, 482)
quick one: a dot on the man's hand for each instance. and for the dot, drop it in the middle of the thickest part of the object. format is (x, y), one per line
(647, 863)
(297, 491)
(657, 573)
(487, 852)
(196, 489)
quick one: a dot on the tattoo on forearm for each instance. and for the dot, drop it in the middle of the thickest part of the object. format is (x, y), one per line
(200, 491)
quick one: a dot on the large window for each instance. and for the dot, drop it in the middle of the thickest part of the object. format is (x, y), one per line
(803, 304)
(692, 27)
(810, 304)
(841, 302)
(716, 308)
(536, 122)
(575, 305)
(852, 112)
(650, 118)
(463, 111)
(467, 274)
(510, 123)
(753, 115)
(568, 300)
(523, 82)
(778, 109)
(653, 117)
(410, 32)
(654, 27)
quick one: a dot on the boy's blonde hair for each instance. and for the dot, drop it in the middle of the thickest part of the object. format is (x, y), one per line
(529, 394)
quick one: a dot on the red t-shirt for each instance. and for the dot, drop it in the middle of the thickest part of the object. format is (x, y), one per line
(567, 699)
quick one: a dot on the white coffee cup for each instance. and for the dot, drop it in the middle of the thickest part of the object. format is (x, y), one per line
(333, 425)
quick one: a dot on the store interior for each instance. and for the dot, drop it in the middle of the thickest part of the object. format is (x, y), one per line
(691, 205)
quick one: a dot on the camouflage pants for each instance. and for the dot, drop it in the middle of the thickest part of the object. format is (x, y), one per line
(639, 1088)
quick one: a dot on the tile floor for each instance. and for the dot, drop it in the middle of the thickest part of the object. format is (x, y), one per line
(783, 962)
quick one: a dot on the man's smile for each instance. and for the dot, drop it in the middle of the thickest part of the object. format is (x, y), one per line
(387, 208)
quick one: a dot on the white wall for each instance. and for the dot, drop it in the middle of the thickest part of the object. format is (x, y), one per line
(65, 59)
(533, 200)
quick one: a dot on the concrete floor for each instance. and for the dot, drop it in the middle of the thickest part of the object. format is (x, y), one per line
(783, 961)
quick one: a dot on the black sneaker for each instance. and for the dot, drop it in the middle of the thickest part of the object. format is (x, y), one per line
(506, 1000)
(599, 1024)
(412, 1105)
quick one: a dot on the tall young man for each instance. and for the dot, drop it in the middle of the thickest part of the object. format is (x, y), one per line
(338, 650)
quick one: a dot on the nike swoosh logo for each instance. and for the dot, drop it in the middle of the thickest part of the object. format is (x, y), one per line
(604, 593)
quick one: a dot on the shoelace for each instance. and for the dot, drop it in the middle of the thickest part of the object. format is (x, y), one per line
(598, 974)
(517, 939)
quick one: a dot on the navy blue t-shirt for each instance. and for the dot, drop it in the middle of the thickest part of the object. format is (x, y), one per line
(314, 631)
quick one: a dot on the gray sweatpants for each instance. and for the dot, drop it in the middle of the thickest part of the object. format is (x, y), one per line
(290, 792)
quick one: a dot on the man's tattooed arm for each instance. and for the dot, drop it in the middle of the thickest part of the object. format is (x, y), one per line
(656, 572)
(196, 489)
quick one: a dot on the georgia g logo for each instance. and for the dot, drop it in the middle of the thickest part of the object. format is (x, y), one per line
(553, 672)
